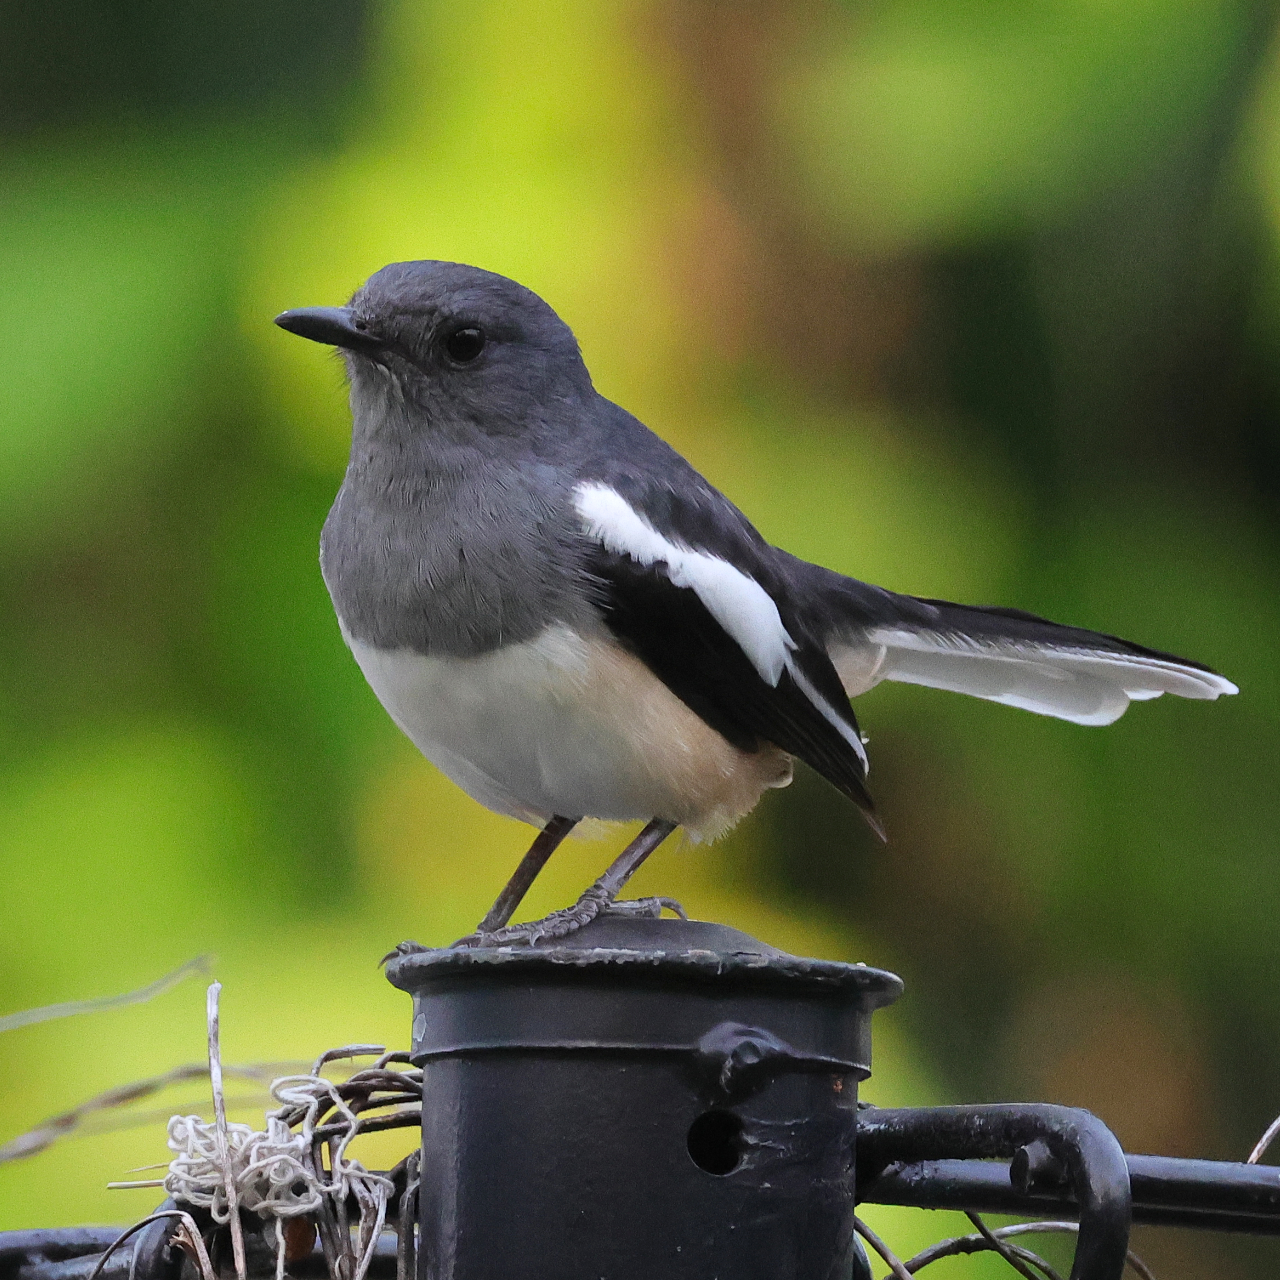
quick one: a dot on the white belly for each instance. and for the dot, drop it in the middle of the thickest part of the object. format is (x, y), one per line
(564, 725)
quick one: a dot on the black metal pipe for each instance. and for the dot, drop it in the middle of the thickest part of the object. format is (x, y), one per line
(1206, 1185)
(71, 1253)
(1207, 1195)
(54, 1251)
(1084, 1146)
(54, 1244)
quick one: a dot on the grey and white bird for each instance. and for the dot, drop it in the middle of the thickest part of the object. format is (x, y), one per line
(570, 622)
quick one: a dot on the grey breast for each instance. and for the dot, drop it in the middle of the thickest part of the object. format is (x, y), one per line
(455, 553)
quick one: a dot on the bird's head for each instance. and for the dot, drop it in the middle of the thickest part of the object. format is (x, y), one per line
(452, 348)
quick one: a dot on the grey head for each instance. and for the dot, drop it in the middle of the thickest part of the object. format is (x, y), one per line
(470, 403)
(454, 352)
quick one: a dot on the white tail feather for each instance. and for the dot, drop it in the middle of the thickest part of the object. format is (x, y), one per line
(1085, 686)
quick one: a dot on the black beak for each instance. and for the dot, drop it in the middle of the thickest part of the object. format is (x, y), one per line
(336, 326)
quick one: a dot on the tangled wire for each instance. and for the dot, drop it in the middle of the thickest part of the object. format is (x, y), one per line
(280, 1172)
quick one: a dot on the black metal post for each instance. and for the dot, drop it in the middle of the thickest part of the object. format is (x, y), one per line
(646, 1098)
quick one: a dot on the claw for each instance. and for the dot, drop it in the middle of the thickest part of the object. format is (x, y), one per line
(644, 908)
(403, 949)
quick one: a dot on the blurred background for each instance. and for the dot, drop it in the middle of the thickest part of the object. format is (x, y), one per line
(970, 298)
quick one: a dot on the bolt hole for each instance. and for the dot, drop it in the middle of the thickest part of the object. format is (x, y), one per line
(715, 1142)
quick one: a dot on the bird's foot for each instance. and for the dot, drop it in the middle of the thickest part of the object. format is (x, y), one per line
(559, 924)
(644, 908)
(408, 948)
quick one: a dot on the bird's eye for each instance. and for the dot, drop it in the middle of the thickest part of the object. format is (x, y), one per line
(463, 345)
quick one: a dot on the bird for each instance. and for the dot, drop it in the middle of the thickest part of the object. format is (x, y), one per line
(571, 623)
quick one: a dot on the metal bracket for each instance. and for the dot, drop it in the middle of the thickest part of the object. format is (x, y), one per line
(1077, 1141)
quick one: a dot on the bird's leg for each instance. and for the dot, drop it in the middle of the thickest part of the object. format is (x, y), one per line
(629, 861)
(544, 845)
(597, 899)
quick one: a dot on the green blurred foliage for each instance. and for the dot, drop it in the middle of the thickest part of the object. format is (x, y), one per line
(970, 119)
(972, 300)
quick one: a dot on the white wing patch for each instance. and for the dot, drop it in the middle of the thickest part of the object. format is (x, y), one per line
(737, 602)
(1085, 686)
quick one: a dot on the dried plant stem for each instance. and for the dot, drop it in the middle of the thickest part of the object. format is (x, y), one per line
(186, 1224)
(27, 1017)
(1264, 1142)
(220, 1118)
(894, 1263)
(958, 1245)
(1005, 1251)
(1132, 1261)
(46, 1134)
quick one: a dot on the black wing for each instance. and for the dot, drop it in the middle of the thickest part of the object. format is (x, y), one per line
(674, 634)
